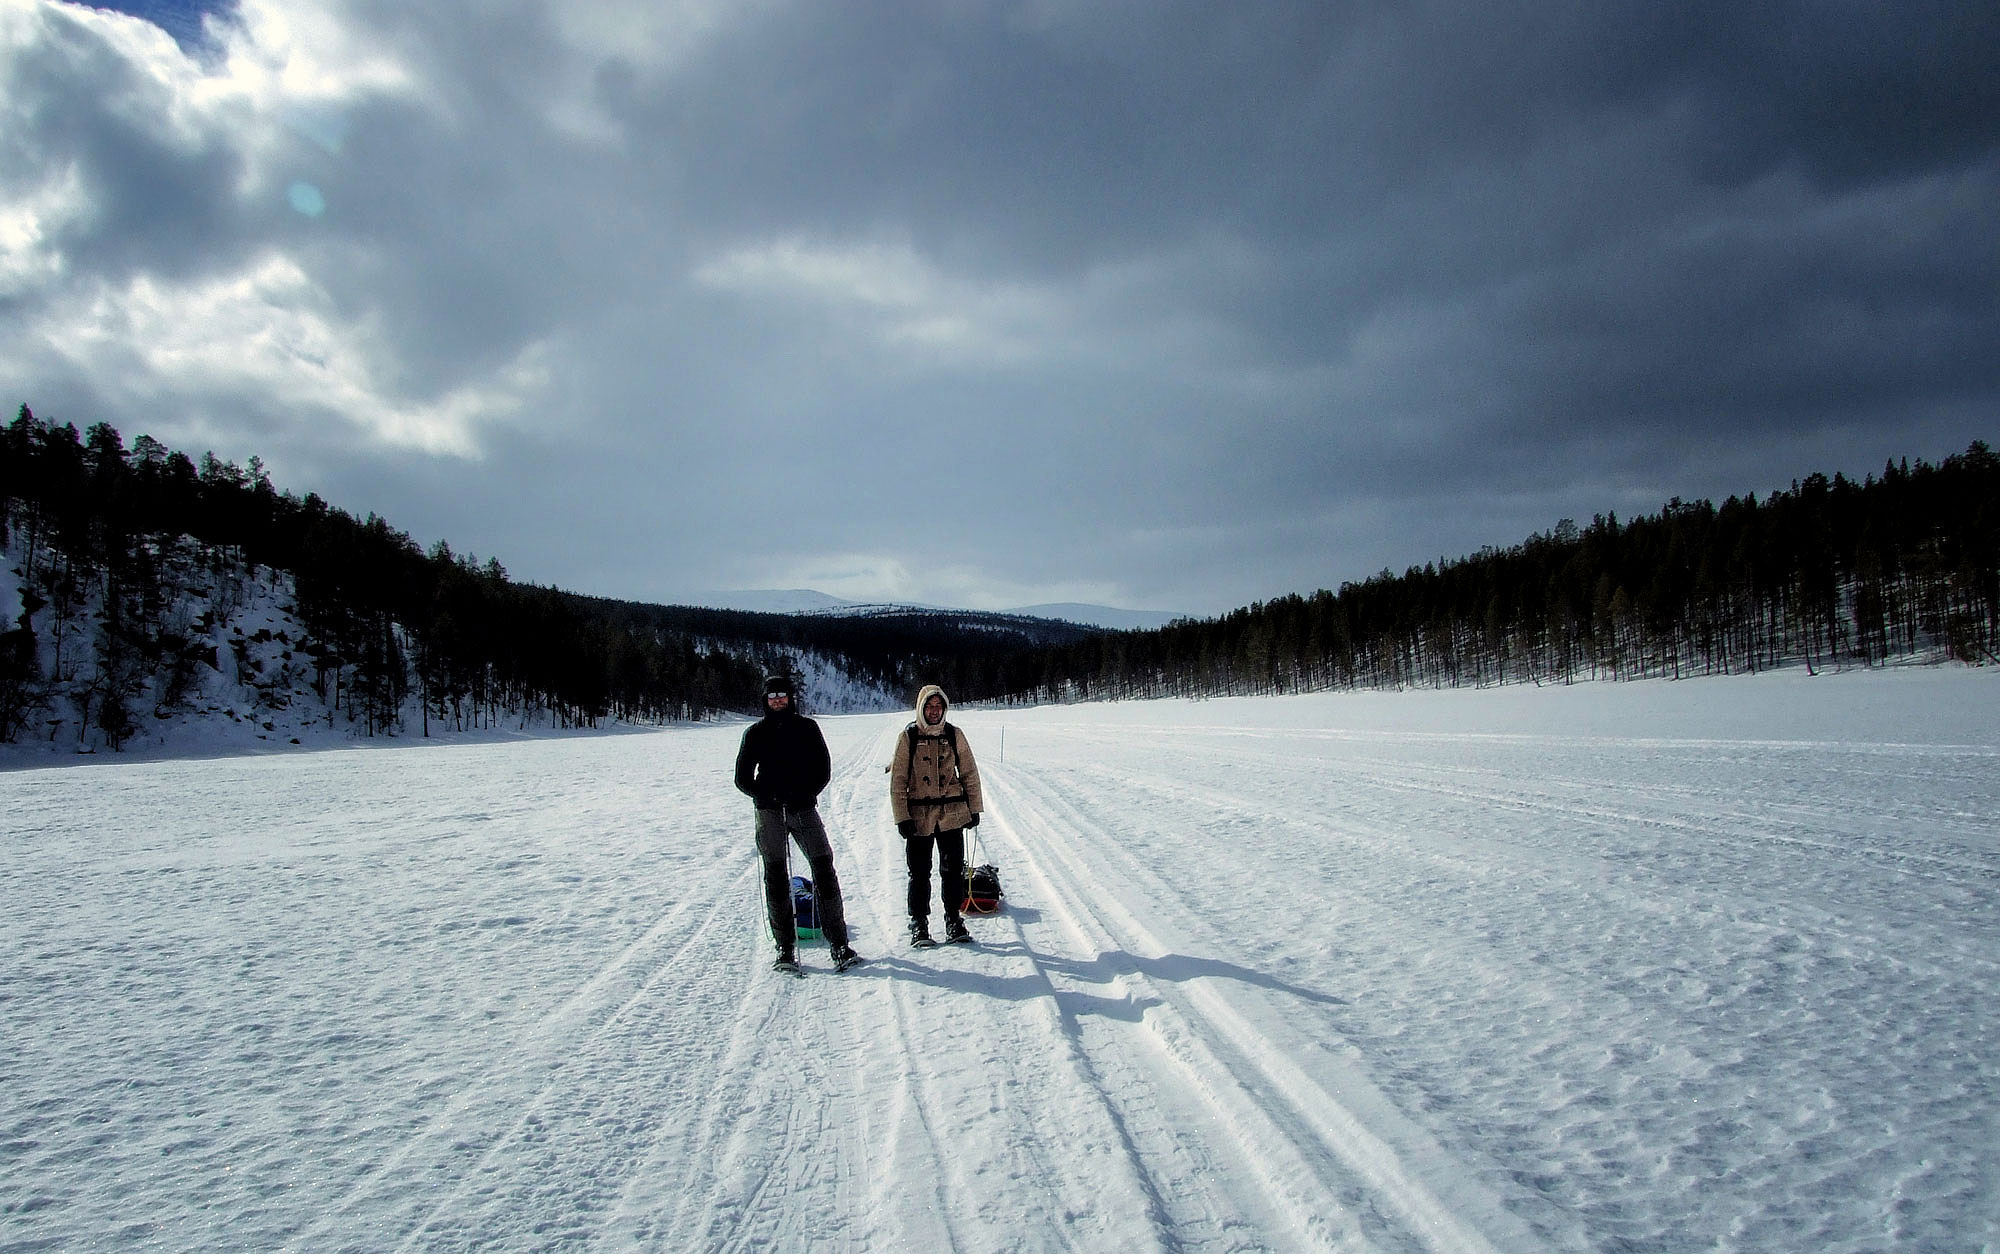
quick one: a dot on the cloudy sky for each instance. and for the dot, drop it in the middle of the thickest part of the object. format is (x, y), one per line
(1161, 305)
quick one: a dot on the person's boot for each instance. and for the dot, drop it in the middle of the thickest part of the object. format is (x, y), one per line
(954, 931)
(787, 960)
(920, 934)
(843, 957)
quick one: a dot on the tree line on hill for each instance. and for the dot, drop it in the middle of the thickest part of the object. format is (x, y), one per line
(1829, 573)
(103, 526)
(896, 649)
(112, 534)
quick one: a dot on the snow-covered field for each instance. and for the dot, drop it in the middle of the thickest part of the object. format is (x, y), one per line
(1707, 965)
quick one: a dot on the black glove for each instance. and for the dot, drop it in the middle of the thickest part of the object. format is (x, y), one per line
(908, 827)
(974, 820)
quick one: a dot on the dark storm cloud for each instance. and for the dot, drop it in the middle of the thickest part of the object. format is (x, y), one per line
(1852, 93)
(1374, 158)
(1271, 117)
(1179, 304)
(159, 195)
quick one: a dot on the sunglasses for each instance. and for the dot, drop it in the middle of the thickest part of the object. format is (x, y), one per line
(773, 696)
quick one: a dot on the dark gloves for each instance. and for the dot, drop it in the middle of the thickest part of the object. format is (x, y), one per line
(974, 820)
(908, 827)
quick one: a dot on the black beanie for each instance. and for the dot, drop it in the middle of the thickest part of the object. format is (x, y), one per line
(780, 683)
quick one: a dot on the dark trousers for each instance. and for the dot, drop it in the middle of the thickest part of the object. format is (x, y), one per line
(776, 829)
(951, 871)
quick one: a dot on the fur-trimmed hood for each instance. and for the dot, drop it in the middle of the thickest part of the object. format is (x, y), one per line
(926, 729)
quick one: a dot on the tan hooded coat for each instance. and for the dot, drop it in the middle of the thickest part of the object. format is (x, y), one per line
(932, 777)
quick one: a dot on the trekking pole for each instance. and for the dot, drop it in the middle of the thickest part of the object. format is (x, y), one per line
(771, 924)
(971, 861)
(792, 892)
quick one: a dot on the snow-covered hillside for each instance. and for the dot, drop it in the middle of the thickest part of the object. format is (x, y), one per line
(1700, 965)
(242, 681)
(770, 601)
(243, 685)
(1105, 616)
(826, 688)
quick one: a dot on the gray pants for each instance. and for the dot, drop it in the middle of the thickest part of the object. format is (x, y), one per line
(776, 829)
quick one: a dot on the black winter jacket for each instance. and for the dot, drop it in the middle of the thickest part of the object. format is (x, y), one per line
(783, 761)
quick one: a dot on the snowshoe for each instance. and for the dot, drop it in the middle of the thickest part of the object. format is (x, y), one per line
(955, 933)
(788, 963)
(844, 957)
(920, 935)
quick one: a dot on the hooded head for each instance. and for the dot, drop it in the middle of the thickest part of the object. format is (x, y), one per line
(925, 723)
(776, 685)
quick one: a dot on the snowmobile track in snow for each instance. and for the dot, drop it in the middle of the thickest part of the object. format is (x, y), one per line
(1318, 1173)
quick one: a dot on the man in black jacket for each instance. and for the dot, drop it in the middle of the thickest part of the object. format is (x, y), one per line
(782, 766)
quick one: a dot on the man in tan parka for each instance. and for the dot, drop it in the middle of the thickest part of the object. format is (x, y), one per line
(934, 794)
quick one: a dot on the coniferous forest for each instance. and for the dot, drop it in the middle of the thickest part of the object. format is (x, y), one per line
(109, 531)
(115, 539)
(1830, 573)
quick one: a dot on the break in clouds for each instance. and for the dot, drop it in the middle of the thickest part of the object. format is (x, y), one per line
(1175, 306)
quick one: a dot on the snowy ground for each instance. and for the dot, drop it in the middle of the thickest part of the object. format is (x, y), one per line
(1704, 965)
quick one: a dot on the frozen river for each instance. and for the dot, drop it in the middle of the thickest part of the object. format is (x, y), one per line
(1643, 966)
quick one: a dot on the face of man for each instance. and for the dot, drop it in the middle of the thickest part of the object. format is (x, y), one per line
(933, 709)
(776, 701)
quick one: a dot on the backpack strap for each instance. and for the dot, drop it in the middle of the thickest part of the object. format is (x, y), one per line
(910, 761)
(910, 743)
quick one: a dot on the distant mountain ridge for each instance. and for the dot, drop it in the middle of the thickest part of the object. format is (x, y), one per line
(809, 601)
(764, 601)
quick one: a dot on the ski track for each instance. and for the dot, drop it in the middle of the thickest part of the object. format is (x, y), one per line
(597, 1086)
(1255, 988)
(584, 1024)
(1799, 984)
(967, 1117)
